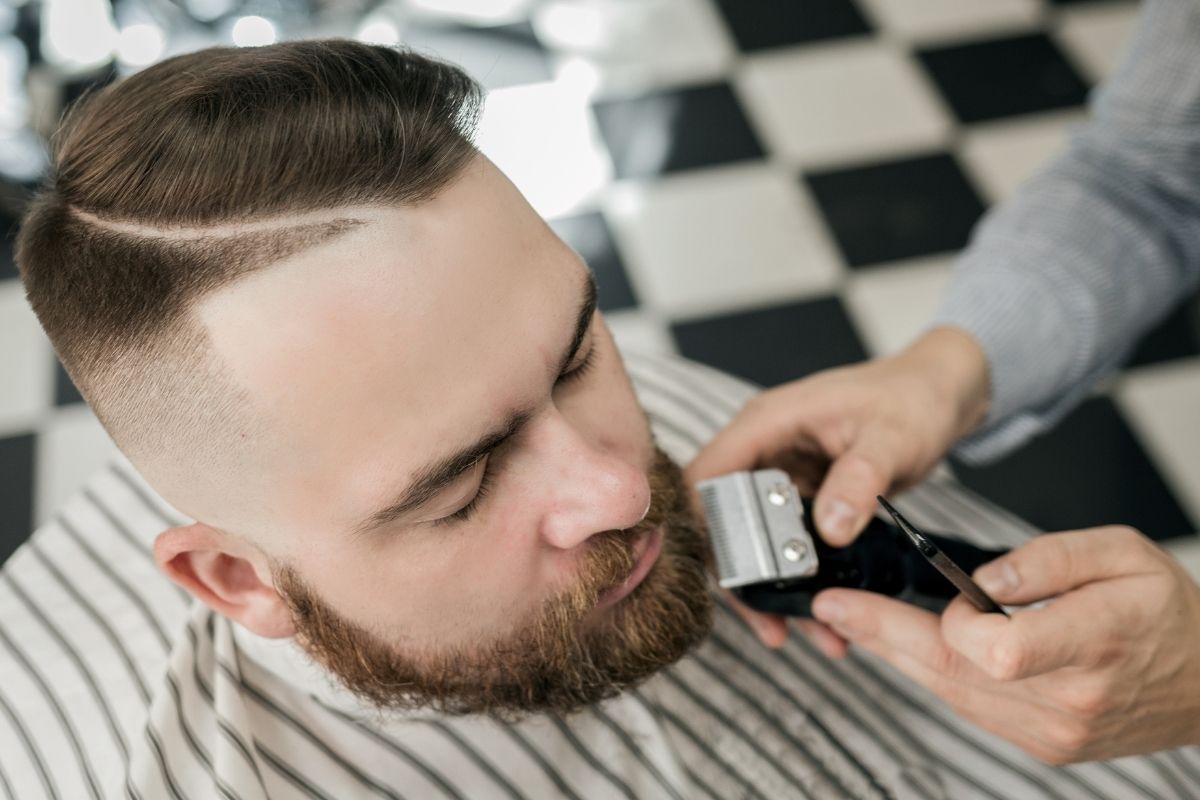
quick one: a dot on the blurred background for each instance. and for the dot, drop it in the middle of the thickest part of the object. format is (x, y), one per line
(770, 187)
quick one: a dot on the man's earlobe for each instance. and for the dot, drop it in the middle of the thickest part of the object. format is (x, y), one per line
(216, 569)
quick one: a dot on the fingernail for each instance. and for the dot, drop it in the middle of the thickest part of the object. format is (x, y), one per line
(836, 520)
(999, 579)
(831, 612)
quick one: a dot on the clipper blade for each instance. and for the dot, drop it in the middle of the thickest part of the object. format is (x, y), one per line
(757, 524)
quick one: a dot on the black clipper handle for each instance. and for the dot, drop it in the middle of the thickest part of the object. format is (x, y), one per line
(881, 559)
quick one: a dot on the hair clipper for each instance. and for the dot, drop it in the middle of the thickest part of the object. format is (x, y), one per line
(770, 555)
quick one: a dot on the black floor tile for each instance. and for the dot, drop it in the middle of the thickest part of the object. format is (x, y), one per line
(759, 24)
(1004, 77)
(897, 209)
(697, 126)
(1088, 471)
(591, 238)
(1178, 336)
(16, 492)
(8, 234)
(776, 344)
(65, 392)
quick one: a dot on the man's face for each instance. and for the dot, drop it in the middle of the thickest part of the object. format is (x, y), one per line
(548, 557)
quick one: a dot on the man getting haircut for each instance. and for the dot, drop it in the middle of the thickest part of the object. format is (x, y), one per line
(325, 327)
(423, 540)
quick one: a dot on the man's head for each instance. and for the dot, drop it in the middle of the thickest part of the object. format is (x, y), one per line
(329, 330)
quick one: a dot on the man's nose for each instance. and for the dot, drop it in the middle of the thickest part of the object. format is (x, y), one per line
(588, 487)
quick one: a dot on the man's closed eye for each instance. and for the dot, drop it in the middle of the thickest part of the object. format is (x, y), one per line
(465, 513)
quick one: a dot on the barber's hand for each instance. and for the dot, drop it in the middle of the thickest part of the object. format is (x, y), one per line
(855, 432)
(1110, 667)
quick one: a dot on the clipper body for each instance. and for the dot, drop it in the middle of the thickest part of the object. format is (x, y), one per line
(771, 557)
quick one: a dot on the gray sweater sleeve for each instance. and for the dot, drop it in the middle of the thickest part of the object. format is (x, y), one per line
(1059, 282)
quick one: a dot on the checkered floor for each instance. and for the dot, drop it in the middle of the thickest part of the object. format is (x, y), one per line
(772, 188)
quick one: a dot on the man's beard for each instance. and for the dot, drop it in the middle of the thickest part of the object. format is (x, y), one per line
(564, 657)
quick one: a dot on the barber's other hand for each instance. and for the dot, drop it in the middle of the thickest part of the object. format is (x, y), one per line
(1110, 667)
(854, 432)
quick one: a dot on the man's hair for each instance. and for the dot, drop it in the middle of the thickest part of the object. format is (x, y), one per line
(201, 169)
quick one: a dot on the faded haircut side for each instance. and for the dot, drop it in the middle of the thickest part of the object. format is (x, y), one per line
(199, 170)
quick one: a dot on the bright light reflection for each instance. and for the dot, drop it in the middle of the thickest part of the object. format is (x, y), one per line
(477, 11)
(574, 25)
(208, 10)
(14, 102)
(78, 33)
(253, 31)
(579, 76)
(542, 136)
(22, 155)
(378, 30)
(140, 45)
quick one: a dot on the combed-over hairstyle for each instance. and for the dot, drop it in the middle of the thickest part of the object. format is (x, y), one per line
(186, 176)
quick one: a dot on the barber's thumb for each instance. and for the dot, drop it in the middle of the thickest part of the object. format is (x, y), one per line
(846, 499)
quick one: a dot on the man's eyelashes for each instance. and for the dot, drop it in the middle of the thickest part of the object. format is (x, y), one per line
(485, 483)
(464, 513)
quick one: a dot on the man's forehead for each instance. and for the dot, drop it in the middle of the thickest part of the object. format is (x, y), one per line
(381, 345)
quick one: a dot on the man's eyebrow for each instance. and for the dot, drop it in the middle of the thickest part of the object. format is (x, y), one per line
(437, 475)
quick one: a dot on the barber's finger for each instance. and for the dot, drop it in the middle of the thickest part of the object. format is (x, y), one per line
(870, 620)
(1055, 563)
(739, 444)
(906, 637)
(910, 640)
(846, 499)
(771, 629)
(823, 637)
(1073, 631)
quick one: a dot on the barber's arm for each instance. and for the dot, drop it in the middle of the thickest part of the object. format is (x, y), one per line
(1110, 667)
(1060, 281)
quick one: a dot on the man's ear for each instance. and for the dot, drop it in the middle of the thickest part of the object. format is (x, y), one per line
(217, 569)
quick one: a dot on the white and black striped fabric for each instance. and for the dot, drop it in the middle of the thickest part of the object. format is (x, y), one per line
(114, 683)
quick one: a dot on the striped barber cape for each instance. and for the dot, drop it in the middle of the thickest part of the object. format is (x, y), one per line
(114, 683)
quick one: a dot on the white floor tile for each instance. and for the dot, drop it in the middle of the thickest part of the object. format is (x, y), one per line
(544, 138)
(69, 449)
(928, 20)
(1095, 35)
(620, 45)
(1161, 403)
(26, 363)
(841, 102)
(892, 304)
(718, 239)
(1000, 156)
(639, 332)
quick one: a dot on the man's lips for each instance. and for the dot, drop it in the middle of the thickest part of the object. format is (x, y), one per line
(646, 550)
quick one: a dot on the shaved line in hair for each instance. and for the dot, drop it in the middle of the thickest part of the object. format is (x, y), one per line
(291, 222)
